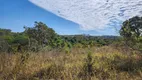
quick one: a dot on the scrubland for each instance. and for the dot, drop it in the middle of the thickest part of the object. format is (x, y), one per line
(96, 63)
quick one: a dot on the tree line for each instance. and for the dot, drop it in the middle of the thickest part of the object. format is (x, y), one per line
(43, 37)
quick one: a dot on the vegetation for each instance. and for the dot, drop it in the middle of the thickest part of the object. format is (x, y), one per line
(41, 36)
(132, 32)
(104, 63)
(39, 53)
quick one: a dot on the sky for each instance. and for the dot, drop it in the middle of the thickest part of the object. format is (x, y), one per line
(68, 17)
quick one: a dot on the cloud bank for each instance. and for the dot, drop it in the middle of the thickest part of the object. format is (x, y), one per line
(93, 14)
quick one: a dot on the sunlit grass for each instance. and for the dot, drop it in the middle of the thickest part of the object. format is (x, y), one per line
(104, 63)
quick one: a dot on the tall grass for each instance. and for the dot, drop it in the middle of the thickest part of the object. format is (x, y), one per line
(105, 63)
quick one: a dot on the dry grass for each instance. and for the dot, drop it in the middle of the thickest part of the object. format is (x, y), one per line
(105, 63)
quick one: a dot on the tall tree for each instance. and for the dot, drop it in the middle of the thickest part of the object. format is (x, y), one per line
(41, 33)
(132, 32)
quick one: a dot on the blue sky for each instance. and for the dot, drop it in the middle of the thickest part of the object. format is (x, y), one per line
(14, 14)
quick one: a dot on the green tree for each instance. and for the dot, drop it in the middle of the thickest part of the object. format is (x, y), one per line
(132, 32)
(41, 33)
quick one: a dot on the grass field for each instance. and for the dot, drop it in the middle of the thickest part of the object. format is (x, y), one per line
(103, 63)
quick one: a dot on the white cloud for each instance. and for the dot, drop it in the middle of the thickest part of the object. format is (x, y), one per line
(93, 14)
